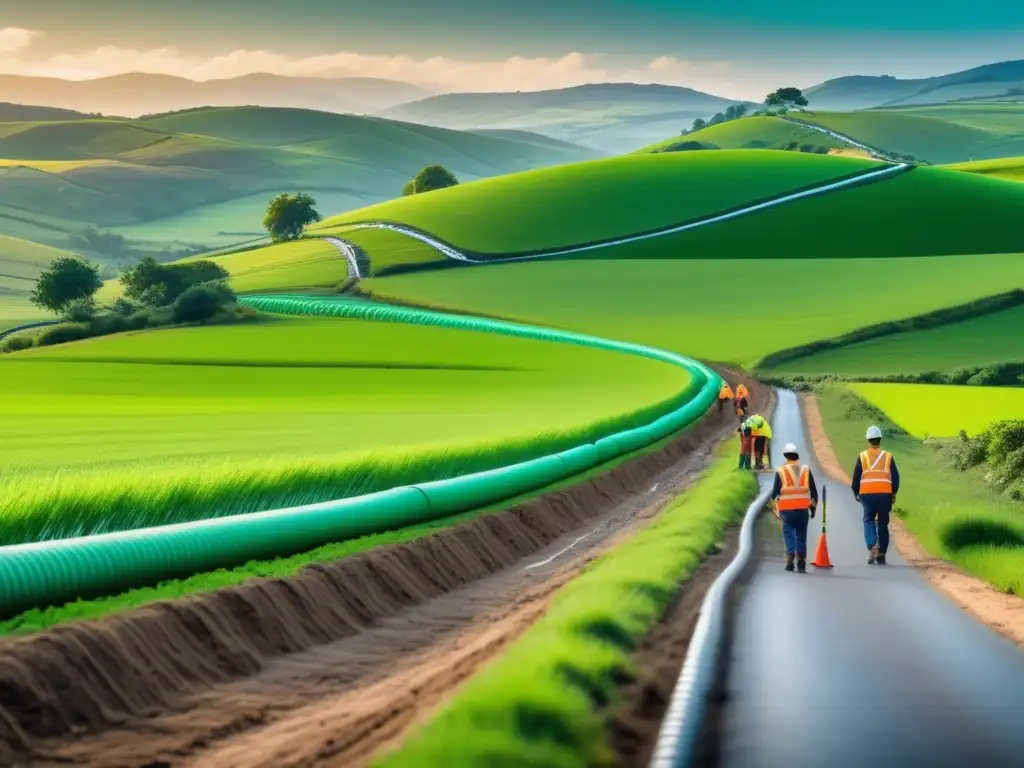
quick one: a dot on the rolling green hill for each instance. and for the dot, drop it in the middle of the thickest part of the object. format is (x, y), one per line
(601, 199)
(975, 343)
(21, 262)
(760, 132)
(931, 136)
(1011, 168)
(155, 178)
(862, 92)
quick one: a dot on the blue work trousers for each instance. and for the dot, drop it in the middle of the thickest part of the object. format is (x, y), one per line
(794, 531)
(877, 508)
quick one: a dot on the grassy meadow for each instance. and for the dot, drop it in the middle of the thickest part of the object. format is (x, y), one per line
(975, 343)
(708, 308)
(955, 515)
(1011, 168)
(166, 426)
(936, 410)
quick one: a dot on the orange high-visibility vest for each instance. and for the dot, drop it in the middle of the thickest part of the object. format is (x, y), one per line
(741, 391)
(725, 393)
(876, 473)
(796, 488)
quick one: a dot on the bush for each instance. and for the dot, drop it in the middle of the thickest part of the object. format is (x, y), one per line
(158, 285)
(16, 343)
(60, 334)
(80, 311)
(122, 306)
(202, 303)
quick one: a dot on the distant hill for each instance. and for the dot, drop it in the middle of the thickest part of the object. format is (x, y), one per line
(992, 81)
(138, 94)
(611, 117)
(203, 177)
(23, 112)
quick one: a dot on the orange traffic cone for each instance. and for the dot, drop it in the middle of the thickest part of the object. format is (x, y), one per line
(821, 558)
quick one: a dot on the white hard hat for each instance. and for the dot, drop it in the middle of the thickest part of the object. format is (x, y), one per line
(874, 433)
(789, 448)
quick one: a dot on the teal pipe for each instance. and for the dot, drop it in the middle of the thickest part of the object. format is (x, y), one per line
(55, 572)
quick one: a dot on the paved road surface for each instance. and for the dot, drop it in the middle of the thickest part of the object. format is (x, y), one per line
(864, 665)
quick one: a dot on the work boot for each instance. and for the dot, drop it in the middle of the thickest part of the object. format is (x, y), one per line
(801, 565)
(880, 559)
(789, 563)
(873, 558)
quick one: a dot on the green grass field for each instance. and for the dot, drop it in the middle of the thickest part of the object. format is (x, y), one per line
(975, 343)
(935, 410)
(163, 426)
(580, 203)
(1011, 168)
(1001, 118)
(925, 136)
(709, 308)
(576, 654)
(942, 507)
(762, 132)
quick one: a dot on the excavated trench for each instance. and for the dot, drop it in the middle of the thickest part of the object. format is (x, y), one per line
(333, 664)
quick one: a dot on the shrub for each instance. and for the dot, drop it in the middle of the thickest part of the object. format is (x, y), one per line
(16, 343)
(201, 303)
(60, 334)
(80, 311)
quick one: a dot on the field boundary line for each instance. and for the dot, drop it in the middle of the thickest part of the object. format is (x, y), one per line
(451, 252)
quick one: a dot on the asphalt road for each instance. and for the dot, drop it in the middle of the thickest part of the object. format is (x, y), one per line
(863, 665)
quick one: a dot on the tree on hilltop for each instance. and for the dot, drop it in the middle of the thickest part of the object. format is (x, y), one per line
(698, 124)
(66, 281)
(289, 215)
(786, 97)
(429, 179)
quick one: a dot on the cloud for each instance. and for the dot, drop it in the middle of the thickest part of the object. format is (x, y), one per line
(14, 39)
(438, 72)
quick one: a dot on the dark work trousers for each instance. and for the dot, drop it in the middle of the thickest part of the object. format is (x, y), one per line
(877, 508)
(759, 443)
(794, 531)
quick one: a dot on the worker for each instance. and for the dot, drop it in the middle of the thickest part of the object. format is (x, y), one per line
(742, 404)
(762, 432)
(796, 499)
(876, 481)
(724, 395)
(746, 446)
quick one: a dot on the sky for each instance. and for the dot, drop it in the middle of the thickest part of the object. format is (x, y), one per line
(738, 48)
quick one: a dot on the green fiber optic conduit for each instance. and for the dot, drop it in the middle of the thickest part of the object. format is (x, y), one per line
(55, 572)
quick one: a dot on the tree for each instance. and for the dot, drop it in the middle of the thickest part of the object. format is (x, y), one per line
(409, 188)
(730, 113)
(716, 119)
(65, 281)
(699, 123)
(740, 110)
(786, 97)
(158, 285)
(289, 215)
(433, 177)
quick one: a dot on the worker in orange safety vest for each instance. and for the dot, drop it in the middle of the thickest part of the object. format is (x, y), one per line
(742, 401)
(724, 395)
(876, 481)
(796, 499)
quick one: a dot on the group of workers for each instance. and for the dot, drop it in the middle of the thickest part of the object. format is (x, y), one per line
(876, 481)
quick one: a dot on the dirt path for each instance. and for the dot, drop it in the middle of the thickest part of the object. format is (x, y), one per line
(329, 666)
(1001, 612)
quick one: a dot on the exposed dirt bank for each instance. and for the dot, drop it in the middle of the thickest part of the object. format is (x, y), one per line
(1003, 613)
(334, 663)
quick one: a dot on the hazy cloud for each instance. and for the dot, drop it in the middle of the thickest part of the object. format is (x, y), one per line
(13, 39)
(515, 73)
